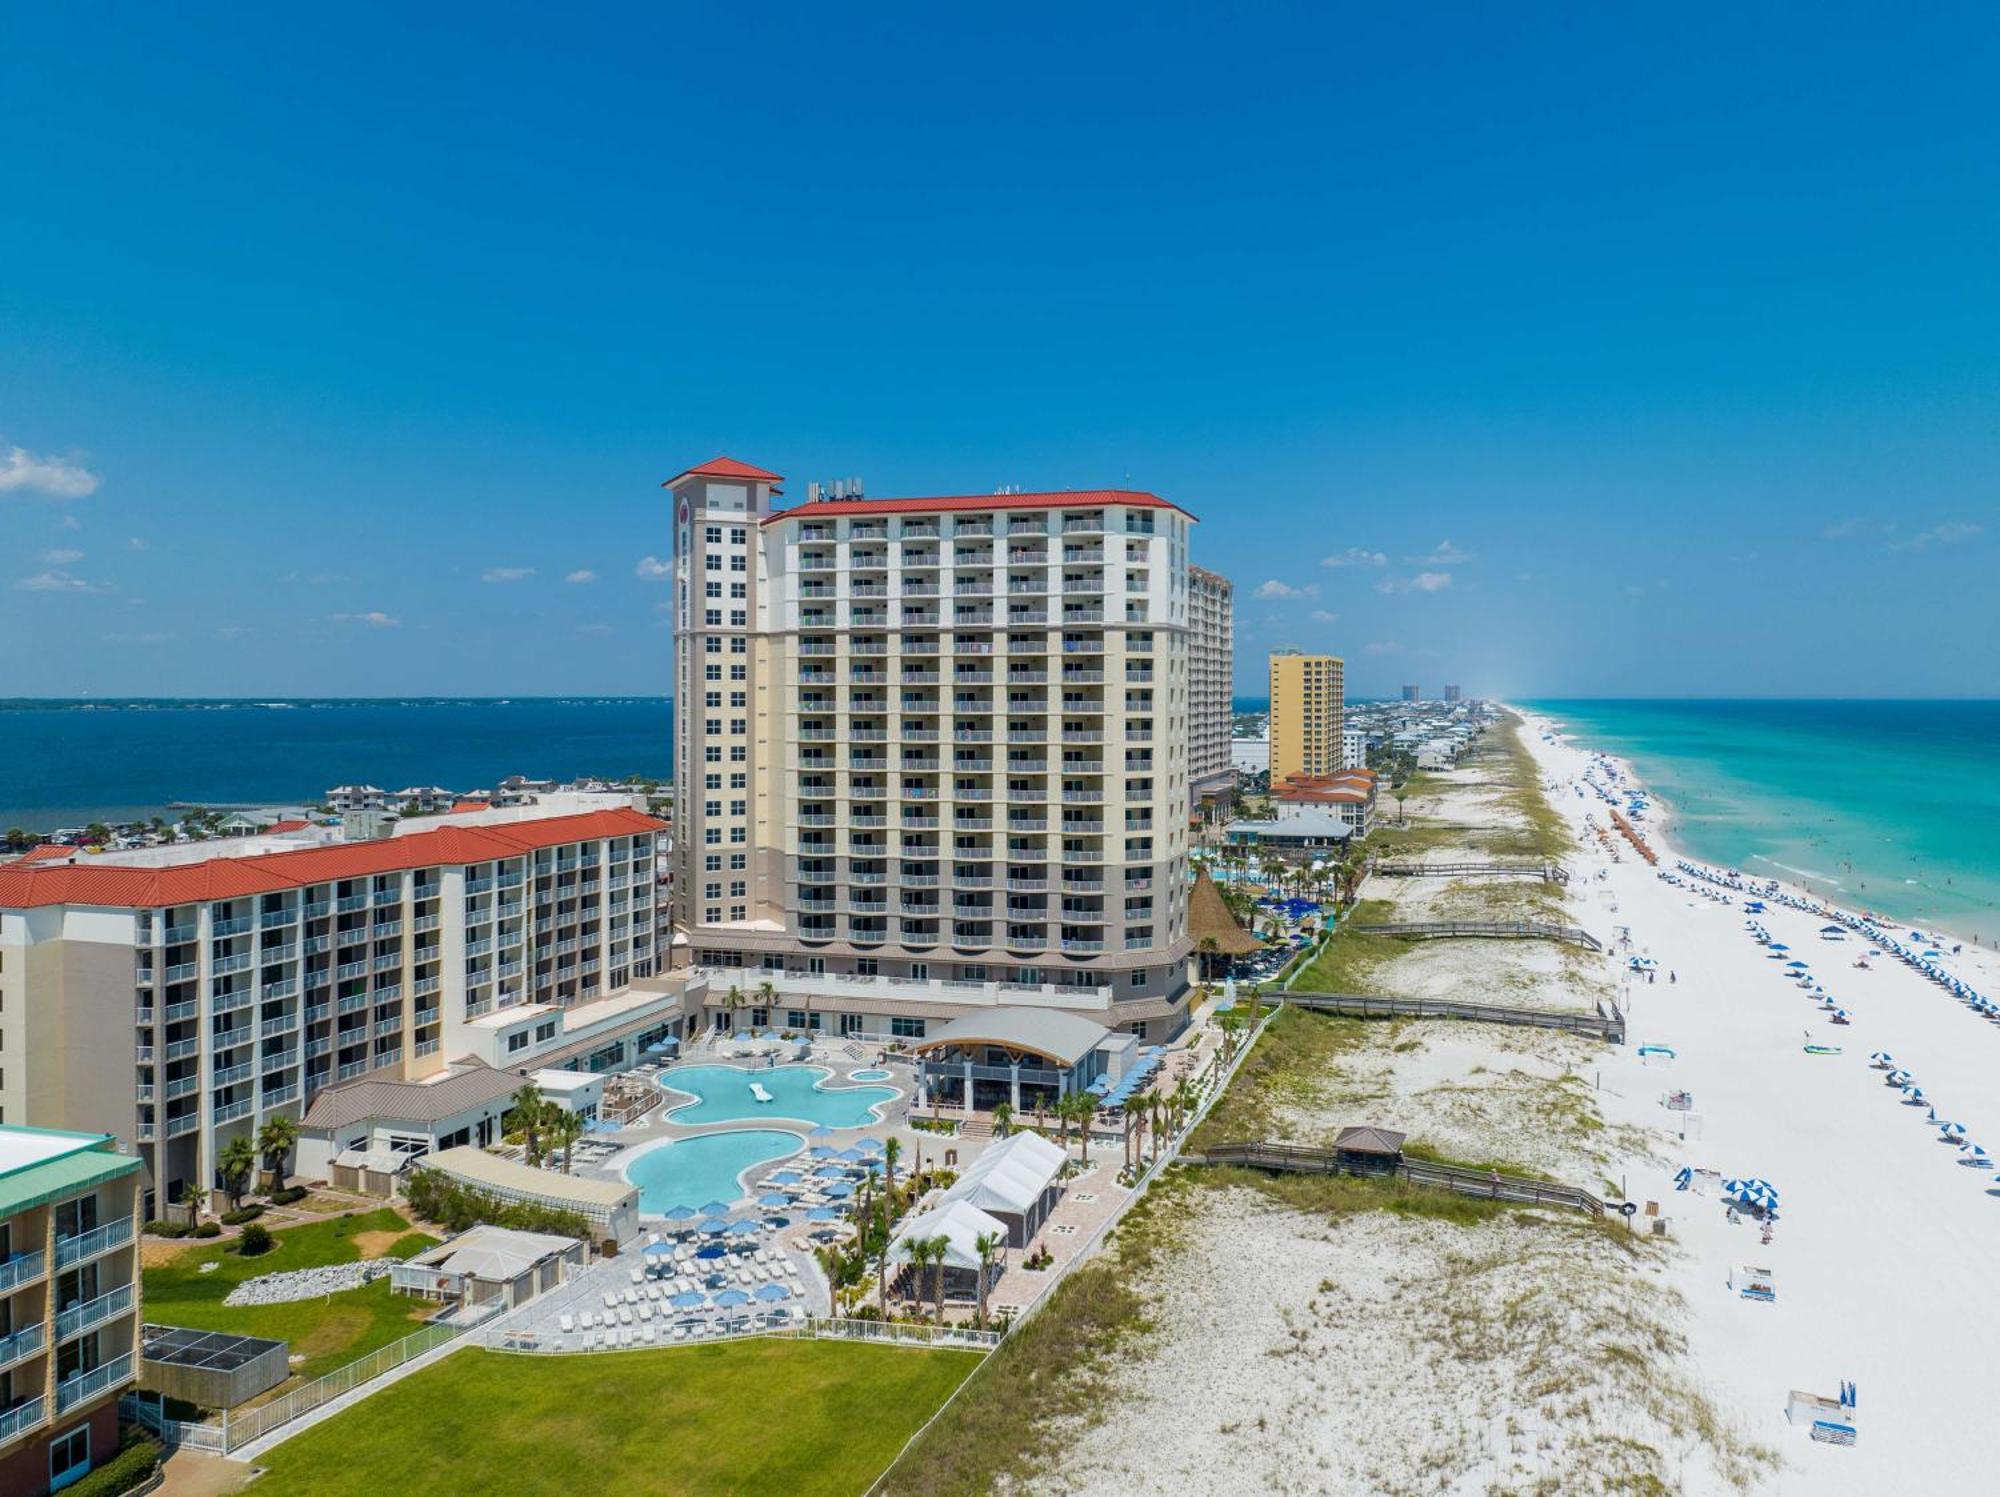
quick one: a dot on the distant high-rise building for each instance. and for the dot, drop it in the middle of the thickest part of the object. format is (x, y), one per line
(1308, 696)
(1211, 671)
(1412, 693)
(1451, 693)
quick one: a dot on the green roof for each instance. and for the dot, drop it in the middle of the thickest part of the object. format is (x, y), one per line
(86, 1165)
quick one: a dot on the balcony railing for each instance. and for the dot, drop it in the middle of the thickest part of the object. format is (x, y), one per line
(87, 1385)
(22, 1268)
(23, 1343)
(82, 1245)
(92, 1312)
(22, 1418)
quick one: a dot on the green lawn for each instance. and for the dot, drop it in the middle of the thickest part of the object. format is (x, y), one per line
(774, 1418)
(326, 1331)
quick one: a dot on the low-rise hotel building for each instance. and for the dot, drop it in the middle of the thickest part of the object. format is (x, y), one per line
(69, 1303)
(178, 996)
(930, 754)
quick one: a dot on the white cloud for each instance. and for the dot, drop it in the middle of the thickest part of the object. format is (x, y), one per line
(652, 569)
(1840, 530)
(581, 574)
(593, 629)
(1423, 582)
(374, 619)
(137, 543)
(1446, 555)
(62, 557)
(69, 522)
(506, 574)
(1276, 589)
(1354, 556)
(1321, 616)
(53, 477)
(56, 581)
(1950, 533)
(1383, 647)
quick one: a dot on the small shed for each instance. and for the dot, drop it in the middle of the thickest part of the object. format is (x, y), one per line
(1369, 1151)
(212, 1369)
(490, 1265)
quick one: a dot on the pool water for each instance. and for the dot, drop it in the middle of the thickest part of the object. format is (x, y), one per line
(694, 1171)
(722, 1095)
(868, 1075)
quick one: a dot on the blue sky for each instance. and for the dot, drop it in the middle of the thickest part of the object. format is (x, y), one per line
(1551, 351)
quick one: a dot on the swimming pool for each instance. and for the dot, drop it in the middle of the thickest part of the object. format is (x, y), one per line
(868, 1075)
(694, 1171)
(722, 1095)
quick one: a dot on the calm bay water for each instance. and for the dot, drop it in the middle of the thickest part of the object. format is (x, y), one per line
(1889, 805)
(64, 763)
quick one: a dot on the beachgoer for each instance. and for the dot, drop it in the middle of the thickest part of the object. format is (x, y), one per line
(1671, 979)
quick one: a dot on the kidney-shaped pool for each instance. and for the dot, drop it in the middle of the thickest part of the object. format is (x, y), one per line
(692, 1172)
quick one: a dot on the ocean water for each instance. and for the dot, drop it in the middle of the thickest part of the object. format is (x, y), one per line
(66, 763)
(1888, 805)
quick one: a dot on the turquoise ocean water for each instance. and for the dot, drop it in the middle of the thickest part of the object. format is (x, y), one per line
(1885, 805)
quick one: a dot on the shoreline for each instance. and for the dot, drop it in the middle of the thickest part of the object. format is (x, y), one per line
(1663, 830)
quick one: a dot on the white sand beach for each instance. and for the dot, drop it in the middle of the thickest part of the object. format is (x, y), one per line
(1882, 1235)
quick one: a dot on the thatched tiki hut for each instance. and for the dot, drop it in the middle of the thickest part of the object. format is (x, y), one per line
(1217, 937)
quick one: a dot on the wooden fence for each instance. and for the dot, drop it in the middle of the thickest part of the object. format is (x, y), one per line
(1607, 1023)
(1487, 1184)
(1505, 930)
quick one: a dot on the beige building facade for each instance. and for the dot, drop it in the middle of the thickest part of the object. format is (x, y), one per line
(1308, 700)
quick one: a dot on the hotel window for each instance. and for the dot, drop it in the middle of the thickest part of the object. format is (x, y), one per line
(737, 672)
(713, 725)
(737, 834)
(713, 535)
(711, 808)
(712, 782)
(906, 1028)
(711, 835)
(712, 754)
(711, 646)
(738, 535)
(739, 888)
(712, 671)
(712, 616)
(712, 914)
(712, 890)
(738, 616)
(715, 589)
(738, 564)
(712, 699)
(738, 912)
(712, 862)
(738, 590)
(712, 563)
(739, 646)
(739, 699)
(739, 808)
(738, 862)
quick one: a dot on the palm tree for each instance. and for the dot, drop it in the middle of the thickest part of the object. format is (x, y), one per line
(939, 1246)
(734, 1003)
(1133, 1108)
(767, 997)
(16, 839)
(564, 1128)
(882, 1264)
(236, 1163)
(1083, 1107)
(1210, 949)
(1003, 1119)
(275, 1141)
(986, 1244)
(528, 1105)
(892, 1150)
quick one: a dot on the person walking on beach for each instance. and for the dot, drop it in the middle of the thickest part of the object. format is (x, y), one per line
(1671, 979)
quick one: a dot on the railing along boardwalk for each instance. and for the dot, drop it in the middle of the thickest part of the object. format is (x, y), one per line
(1548, 873)
(1506, 930)
(1489, 1185)
(1608, 1023)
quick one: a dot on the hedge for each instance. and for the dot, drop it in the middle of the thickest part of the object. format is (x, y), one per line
(435, 1196)
(238, 1218)
(135, 1461)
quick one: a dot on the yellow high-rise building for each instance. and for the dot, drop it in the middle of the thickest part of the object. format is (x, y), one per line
(1308, 695)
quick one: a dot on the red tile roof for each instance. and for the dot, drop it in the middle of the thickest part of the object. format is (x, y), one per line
(471, 805)
(1065, 499)
(47, 852)
(293, 825)
(726, 467)
(125, 886)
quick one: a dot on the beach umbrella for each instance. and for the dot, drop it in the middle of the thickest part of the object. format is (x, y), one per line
(681, 1213)
(853, 1156)
(782, 1177)
(729, 1299)
(659, 1250)
(774, 1198)
(869, 1145)
(688, 1299)
(840, 1191)
(715, 1226)
(772, 1293)
(829, 1172)
(1779, 946)
(822, 1214)
(715, 1208)
(711, 1250)
(820, 1131)
(743, 1229)
(1797, 966)
(821, 1151)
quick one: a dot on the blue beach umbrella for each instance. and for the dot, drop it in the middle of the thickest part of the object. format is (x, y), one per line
(715, 1226)
(840, 1191)
(773, 1292)
(729, 1299)
(870, 1145)
(659, 1250)
(820, 1131)
(715, 1208)
(774, 1198)
(852, 1156)
(712, 1250)
(783, 1177)
(822, 1214)
(688, 1299)
(681, 1213)
(743, 1229)
(821, 1151)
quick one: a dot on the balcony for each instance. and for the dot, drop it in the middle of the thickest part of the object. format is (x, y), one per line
(83, 1246)
(81, 1317)
(22, 1268)
(23, 1343)
(88, 1385)
(22, 1418)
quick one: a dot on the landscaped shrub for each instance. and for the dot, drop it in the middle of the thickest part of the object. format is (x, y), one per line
(435, 1196)
(256, 1239)
(238, 1218)
(209, 1229)
(167, 1228)
(288, 1195)
(137, 1456)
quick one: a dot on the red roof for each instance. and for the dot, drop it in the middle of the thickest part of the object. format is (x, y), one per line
(47, 852)
(24, 886)
(1065, 499)
(726, 467)
(293, 825)
(471, 805)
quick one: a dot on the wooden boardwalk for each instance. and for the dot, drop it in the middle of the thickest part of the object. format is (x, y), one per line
(1608, 1023)
(1490, 1185)
(1548, 873)
(1503, 930)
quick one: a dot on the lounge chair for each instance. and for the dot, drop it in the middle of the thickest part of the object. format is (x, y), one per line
(624, 1315)
(646, 1312)
(680, 1333)
(610, 1300)
(568, 1324)
(647, 1335)
(638, 1276)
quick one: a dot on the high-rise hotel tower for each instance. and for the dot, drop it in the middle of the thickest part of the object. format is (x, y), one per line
(931, 755)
